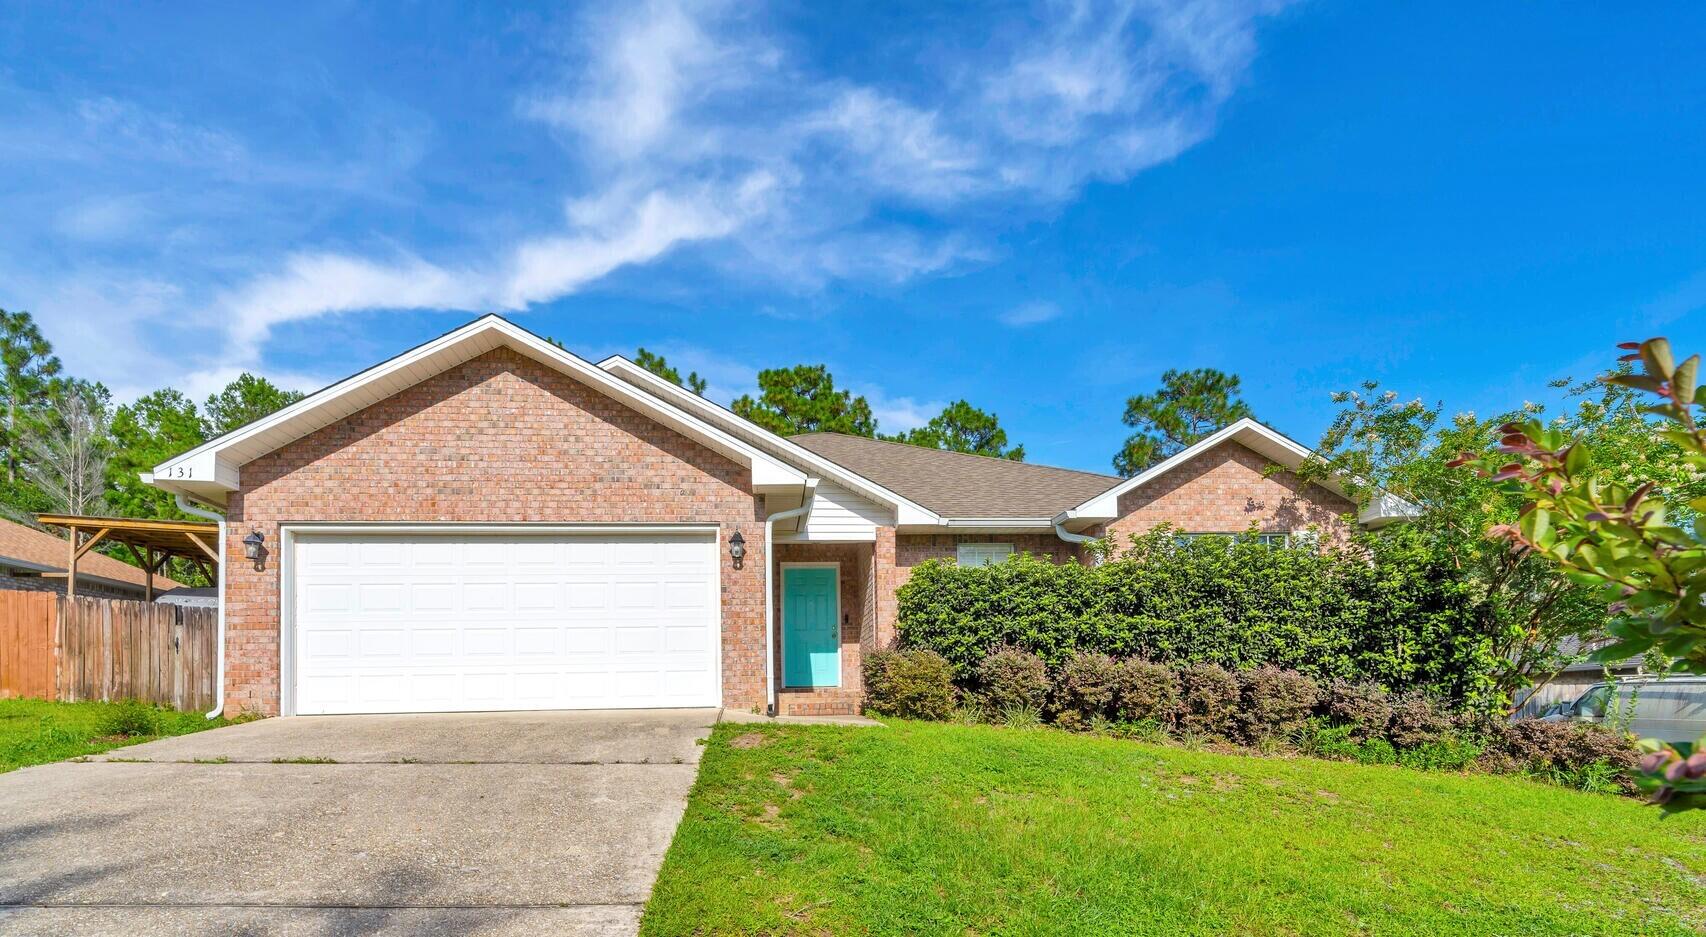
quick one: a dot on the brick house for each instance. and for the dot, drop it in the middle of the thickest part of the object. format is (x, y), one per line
(489, 522)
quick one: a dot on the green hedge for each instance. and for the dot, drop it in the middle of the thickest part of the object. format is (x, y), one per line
(1380, 609)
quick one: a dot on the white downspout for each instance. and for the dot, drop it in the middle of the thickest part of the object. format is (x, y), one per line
(219, 677)
(1070, 537)
(769, 595)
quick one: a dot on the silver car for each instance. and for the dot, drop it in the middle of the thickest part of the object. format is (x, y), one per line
(1670, 708)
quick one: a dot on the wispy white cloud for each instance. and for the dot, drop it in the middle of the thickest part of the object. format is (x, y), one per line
(142, 134)
(1032, 313)
(603, 235)
(693, 123)
(897, 414)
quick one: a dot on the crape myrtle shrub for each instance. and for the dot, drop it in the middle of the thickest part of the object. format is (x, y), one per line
(1380, 609)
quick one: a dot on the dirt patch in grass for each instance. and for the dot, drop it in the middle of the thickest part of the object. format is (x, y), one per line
(747, 741)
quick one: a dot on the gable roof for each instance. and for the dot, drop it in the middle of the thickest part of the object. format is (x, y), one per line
(210, 471)
(908, 510)
(1263, 440)
(27, 548)
(959, 484)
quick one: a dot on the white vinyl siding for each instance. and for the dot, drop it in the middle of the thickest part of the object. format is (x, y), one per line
(982, 554)
(840, 515)
(469, 622)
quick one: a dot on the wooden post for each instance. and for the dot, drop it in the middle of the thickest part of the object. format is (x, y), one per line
(145, 558)
(76, 554)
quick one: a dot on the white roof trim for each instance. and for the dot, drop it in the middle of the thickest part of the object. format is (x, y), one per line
(909, 512)
(211, 470)
(1256, 437)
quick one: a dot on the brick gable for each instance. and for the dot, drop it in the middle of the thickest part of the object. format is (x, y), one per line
(1225, 490)
(500, 438)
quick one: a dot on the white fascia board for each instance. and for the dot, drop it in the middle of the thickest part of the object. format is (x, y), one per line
(205, 466)
(1387, 509)
(906, 512)
(201, 467)
(1003, 522)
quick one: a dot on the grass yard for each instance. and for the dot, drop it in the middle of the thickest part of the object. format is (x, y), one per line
(34, 732)
(942, 829)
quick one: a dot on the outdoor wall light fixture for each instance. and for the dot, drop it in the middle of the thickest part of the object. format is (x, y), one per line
(737, 549)
(254, 547)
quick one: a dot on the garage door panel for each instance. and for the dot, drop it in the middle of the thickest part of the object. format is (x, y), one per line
(380, 554)
(428, 643)
(392, 623)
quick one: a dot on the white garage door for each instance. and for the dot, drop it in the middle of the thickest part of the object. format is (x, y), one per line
(458, 622)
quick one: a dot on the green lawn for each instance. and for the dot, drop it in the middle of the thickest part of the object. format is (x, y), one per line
(34, 732)
(945, 829)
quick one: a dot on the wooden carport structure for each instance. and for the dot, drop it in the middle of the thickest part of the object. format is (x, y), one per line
(150, 542)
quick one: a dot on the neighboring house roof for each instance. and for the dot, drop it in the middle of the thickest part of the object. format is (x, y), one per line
(211, 471)
(1265, 441)
(193, 596)
(27, 548)
(959, 484)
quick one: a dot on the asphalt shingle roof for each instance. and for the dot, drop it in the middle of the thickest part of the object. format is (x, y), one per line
(956, 484)
(39, 548)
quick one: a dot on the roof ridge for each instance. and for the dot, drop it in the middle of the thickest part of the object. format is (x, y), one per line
(956, 452)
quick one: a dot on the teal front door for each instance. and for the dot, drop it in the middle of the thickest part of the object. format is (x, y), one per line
(811, 645)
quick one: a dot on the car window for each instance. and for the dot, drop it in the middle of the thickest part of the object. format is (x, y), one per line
(1592, 703)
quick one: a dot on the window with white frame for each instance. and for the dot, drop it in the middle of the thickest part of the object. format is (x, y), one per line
(1266, 540)
(983, 554)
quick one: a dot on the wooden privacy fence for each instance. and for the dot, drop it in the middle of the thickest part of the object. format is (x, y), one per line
(106, 649)
(29, 625)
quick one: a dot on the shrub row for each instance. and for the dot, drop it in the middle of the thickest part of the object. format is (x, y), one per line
(1382, 609)
(1258, 706)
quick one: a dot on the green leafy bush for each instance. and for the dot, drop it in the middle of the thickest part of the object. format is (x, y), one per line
(911, 684)
(1376, 752)
(1451, 753)
(1022, 717)
(130, 718)
(1274, 702)
(1013, 679)
(1084, 690)
(1208, 701)
(1145, 692)
(1599, 777)
(1383, 609)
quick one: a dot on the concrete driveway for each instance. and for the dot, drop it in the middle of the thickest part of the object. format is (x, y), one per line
(496, 823)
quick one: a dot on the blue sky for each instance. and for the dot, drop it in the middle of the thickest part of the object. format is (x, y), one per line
(1037, 208)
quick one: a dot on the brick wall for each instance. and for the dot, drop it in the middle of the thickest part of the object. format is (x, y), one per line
(888, 578)
(499, 439)
(1223, 491)
(913, 549)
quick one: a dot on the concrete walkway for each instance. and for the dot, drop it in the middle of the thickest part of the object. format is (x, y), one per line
(491, 824)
